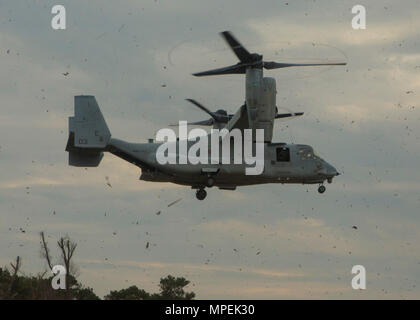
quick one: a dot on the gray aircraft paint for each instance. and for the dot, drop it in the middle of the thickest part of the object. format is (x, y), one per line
(89, 124)
(89, 137)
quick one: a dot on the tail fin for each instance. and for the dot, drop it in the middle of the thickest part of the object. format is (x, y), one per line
(88, 133)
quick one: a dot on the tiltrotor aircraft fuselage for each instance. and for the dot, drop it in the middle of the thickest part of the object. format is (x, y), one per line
(89, 137)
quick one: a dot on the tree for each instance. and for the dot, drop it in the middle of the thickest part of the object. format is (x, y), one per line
(5, 281)
(45, 252)
(67, 248)
(73, 289)
(172, 288)
(131, 293)
(85, 294)
(14, 284)
(20, 286)
(14, 277)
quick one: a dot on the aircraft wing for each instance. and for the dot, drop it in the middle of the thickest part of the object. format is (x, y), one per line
(239, 120)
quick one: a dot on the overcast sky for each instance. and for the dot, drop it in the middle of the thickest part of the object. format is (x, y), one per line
(269, 241)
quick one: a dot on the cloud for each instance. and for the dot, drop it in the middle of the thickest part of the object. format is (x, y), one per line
(332, 32)
(359, 117)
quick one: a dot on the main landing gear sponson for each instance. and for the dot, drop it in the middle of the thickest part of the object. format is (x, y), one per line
(201, 194)
(321, 189)
(210, 182)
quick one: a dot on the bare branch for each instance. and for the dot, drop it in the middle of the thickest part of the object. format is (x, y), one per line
(16, 266)
(67, 248)
(45, 250)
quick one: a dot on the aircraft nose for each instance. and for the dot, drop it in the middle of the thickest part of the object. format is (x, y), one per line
(331, 171)
(328, 170)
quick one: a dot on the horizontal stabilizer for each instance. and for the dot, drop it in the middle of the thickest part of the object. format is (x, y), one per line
(79, 159)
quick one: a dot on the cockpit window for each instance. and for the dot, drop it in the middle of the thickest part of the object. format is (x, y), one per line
(306, 153)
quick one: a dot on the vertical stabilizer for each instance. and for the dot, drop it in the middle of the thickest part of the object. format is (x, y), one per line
(88, 133)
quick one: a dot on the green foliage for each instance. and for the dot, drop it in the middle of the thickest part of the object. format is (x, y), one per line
(15, 285)
(85, 294)
(171, 288)
(131, 293)
(25, 287)
(20, 287)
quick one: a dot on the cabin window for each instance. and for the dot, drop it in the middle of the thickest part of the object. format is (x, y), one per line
(283, 154)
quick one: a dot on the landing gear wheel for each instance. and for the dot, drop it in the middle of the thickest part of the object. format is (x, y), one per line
(201, 194)
(210, 182)
(321, 189)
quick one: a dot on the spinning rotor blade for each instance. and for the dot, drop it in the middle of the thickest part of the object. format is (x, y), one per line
(220, 116)
(242, 54)
(208, 122)
(236, 68)
(288, 115)
(199, 105)
(254, 60)
(275, 65)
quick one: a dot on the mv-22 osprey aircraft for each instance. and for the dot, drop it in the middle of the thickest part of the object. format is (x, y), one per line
(89, 136)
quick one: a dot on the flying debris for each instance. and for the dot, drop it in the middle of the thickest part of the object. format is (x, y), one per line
(107, 182)
(174, 202)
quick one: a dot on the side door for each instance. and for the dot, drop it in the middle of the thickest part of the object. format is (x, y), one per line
(281, 157)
